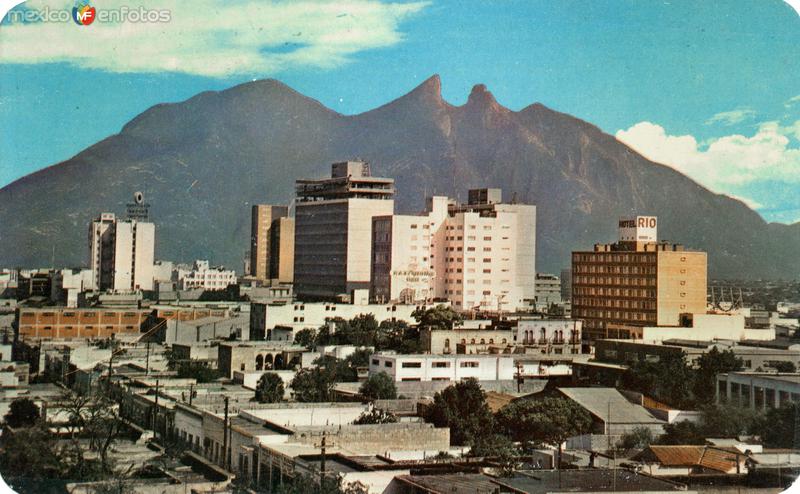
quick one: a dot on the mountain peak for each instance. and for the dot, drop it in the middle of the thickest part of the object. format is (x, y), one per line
(430, 89)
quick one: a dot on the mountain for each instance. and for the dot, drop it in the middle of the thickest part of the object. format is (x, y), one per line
(203, 162)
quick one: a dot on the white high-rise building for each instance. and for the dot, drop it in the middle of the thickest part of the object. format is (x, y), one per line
(480, 255)
(121, 253)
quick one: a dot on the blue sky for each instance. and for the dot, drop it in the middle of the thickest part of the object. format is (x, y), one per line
(710, 88)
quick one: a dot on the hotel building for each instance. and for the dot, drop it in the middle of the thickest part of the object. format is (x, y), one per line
(480, 255)
(272, 243)
(121, 253)
(333, 229)
(618, 289)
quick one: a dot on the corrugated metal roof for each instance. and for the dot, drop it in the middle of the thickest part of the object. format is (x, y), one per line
(602, 401)
(496, 400)
(719, 459)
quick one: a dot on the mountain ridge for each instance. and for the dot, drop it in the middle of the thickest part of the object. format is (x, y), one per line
(202, 162)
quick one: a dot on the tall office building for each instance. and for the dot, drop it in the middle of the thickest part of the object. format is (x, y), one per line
(480, 255)
(121, 253)
(333, 229)
(619, 288)
(271, 243)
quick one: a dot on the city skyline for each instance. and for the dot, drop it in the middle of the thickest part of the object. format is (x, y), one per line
(684, 84)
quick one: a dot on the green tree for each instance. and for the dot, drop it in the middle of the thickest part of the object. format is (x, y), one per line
(784, 366)
(683, 432)
(398, 336)
(198, 370)
(307, 338)
(22, 412)
(314, 385)
(708, 366)
(777, 429)
(550, 420)
(439, 317)
(334, 484)
(375, 416)
(379, 387)
(269, 388)
(30, 453)
(359, 358)
(638, 438)
(461, 407)
(362, 330)
(727, 420)
(668, 380)
(498, 447)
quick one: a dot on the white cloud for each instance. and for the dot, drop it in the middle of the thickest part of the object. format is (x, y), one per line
(728, 161)
(731, 117)
(213, 38)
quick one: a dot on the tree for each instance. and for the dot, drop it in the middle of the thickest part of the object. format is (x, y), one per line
(314, 385)
(439, 317)
(726, 420)
(379, 387)
(398, 336)
(708, 366)
(22, 412)
(461, 407)
(196, 369)
(362, 330)
(375, 416)
(550, 420)
(638, 438)
(669, 380)
(498, 447)
(334, 484)
(269, 388)
(683, 432)
(784, 366)
(30, 453)
(777, 429)
(307, 338)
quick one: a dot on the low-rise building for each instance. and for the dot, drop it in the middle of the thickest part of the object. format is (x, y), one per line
(203, 276)
(425, 367)
(246, 356)
(264, 317)
(758, 390)
(65, 322)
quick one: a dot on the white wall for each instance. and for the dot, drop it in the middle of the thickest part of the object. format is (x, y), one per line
(443, 367)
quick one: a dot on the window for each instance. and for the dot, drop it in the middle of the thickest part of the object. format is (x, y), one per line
(412, 365)
(376, 362)
(469, 364)
(441, 365)
(387, 364)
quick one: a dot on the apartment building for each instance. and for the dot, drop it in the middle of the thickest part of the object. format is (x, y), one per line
(480, 255)
(333, 229)
(427, 367)
(121, 253)
(272, 243)
(619, 288)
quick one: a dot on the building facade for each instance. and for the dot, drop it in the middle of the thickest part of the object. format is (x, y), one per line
(121, 253)
(271, 243)
(204, 277)
(480, 255)
(63, 322)
(619, 288)
(333, 229)
(425, 367)
(548, 290)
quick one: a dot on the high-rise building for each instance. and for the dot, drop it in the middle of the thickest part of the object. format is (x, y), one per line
(271, 243)
(619, 288)
(548, 290)
(121, 253)
(333, 229)
(480, 255)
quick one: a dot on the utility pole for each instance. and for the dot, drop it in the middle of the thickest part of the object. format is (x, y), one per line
(147, 360)
(322, 462)
(191, 392)
(155, 412)
(225, 438)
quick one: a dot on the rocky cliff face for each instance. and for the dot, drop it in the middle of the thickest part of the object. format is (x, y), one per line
(203, 162)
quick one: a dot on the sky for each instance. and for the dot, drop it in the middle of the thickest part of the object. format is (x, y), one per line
(710, 88)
